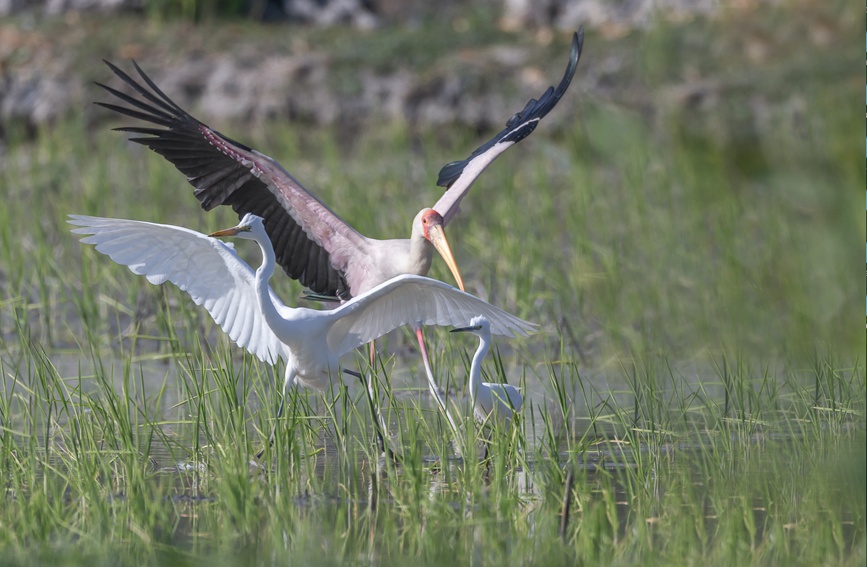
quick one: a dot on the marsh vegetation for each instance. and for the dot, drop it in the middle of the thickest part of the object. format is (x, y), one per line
(696, 392)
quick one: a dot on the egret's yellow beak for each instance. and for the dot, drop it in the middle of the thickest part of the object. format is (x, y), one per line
(437, 237)
(231, 231)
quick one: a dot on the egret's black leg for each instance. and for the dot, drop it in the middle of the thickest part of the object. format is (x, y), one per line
(567, 501)
(274, 427)
(486, 441)
(378, 421)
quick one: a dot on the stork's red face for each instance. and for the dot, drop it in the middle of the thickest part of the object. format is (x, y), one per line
(429, 219)
(432, 226)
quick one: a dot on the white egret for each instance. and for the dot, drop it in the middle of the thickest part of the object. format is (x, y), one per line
(242, 303)
(489, 399)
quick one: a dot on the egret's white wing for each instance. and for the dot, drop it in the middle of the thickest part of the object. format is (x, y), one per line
(206, 268)
(409, 299)
(506, 395)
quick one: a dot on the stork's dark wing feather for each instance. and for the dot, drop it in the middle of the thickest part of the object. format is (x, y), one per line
(311, 243)
(458, 176)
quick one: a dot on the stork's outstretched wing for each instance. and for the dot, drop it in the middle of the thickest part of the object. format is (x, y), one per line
(312, 243)
(459, 176)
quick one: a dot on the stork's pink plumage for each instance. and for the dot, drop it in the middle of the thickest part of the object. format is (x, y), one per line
(312, 243)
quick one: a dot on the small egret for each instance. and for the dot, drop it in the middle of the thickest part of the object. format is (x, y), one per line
(489, 399)
(242, 303)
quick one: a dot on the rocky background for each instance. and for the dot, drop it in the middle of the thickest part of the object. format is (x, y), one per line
(329, 62)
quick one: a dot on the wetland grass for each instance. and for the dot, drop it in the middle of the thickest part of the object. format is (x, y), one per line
(696, 393)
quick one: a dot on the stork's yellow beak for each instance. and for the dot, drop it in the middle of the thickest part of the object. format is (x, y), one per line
(437, 237)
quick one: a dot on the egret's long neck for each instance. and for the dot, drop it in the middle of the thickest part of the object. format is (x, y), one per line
(263, 275)
(476, 367)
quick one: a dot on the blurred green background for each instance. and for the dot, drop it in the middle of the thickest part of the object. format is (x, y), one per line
(698, 186)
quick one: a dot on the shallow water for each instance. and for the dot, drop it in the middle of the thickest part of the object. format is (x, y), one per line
(155, 383)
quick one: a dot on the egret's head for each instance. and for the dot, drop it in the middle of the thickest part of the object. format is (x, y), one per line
(479, 325)
(249, 227)
(431, 224)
